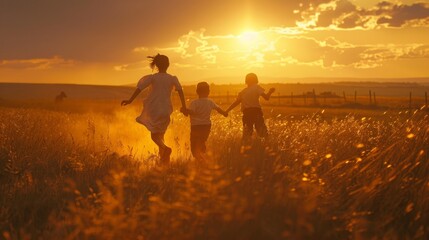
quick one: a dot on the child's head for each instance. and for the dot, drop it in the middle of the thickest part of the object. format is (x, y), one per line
(251, 79)
(159, 61)
(203, 89)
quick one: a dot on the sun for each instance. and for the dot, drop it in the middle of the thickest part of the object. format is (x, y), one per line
(254, 42)
(249, 37)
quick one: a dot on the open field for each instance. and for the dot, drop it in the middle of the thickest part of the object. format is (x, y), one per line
(15, 91)
(85, 170)
(312, 95)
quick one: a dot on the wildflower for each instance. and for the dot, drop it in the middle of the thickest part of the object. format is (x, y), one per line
(306, 162)
(409, 207)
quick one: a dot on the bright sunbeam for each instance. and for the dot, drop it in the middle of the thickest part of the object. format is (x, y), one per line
(249, 38)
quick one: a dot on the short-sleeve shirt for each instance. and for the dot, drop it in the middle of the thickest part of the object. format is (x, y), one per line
(250, 96)
(201, 109)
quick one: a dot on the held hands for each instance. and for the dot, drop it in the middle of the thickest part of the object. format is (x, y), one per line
(125, 102)
(225, 113)
(271, 91)
(184, 111)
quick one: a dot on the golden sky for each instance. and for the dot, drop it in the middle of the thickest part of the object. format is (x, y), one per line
(107, 41)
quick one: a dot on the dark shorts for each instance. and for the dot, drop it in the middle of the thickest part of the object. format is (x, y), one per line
(254, 118)
(199, 136)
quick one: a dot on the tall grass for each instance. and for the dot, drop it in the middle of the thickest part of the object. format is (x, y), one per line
(92, 175)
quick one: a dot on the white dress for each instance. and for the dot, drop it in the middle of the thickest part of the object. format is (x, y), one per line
(157, 106)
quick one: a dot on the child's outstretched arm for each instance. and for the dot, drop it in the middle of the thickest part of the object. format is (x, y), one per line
(233, 105)
(221, 111)
(267, 96)
(135, 94)
(182, 100)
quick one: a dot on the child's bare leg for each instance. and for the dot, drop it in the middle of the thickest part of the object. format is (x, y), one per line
(260, 126)
(198, 152)
(164, 150)
(247, 134)
(248, 122)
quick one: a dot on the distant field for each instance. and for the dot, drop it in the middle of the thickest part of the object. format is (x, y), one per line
(393, 95)
(24, 91)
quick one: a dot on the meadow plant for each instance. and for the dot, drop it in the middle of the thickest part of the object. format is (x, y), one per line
(89, 175)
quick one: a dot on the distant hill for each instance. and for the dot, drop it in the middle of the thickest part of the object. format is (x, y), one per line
(73, 91)
(12, 91)
(391, 89)
(263, 79)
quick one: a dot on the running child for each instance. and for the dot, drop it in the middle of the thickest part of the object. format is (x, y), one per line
(199, 111)
(157, 106)
(251, 108)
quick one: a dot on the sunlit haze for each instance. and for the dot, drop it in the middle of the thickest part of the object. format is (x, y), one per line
(107, 42)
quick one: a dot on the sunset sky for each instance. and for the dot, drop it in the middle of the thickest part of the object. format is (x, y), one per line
(107, 41)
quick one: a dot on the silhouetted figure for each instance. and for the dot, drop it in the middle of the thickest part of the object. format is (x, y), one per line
(59, 98)
(157, 106)
(199, 111)
(251, 108)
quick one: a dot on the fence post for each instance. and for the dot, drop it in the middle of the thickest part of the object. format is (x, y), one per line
(227, 97)
(355, 96)
(291, 98)
(375, 101)
(409, 104)
(305, 98)
(278, 95)
(426, 99)
(370, 97)
(314, 96)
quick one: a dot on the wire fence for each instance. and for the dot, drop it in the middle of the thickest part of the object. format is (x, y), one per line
(312, 98)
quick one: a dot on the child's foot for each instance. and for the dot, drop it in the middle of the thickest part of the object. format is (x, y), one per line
(165, 156)
(246, 149)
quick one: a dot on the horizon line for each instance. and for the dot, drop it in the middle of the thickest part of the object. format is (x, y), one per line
(356, 80)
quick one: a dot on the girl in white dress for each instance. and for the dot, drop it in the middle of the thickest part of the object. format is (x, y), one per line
(157, 106)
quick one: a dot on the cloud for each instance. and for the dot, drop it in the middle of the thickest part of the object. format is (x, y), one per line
(137, 66)
(343, 14)
(416, 51)
(276, 48)
(399, 15)
(140, 49)
(372, 56)
(37, 63)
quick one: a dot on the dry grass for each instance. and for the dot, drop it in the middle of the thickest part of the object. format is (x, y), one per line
(73, 174)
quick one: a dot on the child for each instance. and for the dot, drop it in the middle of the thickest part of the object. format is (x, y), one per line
(157, 106)
(252, 112)
(199, 111)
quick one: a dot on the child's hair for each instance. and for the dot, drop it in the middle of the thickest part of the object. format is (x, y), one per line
(251, 78)
(160, 61)
(203, 89)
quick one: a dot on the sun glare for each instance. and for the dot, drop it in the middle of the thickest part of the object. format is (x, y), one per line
(249, 37)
